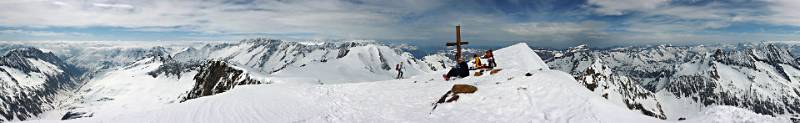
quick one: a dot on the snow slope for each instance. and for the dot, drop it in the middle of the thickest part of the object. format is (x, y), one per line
(730, 114)
(158, 74)
(510, 96)
(361, 64)
(129, 94)
(516, 57)
(127, 89)
(539, 98)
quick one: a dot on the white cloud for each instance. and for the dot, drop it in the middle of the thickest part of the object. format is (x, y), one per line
(551, 28)
(619, 7)
(76, 13)
(40, 33)
(106, 5)
(786, 12)
(325, 18)
(559, 31)
(59, 3)
(383, 19)
(781, 12)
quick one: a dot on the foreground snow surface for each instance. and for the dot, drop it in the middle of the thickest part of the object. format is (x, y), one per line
(544, 97)
(547, 96)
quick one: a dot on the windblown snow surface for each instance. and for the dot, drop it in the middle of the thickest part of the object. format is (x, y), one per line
(508, 96)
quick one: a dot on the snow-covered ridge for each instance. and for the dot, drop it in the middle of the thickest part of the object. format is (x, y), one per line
(368, 62)
(112, 69)
(620, 90)
(342, 82)
(509, 96)
(524, 57)
(758, 77)
(29, 81)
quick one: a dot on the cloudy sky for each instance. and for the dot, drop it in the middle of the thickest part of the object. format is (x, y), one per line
(547, 23)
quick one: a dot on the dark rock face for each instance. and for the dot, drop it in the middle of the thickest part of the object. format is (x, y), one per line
(216, 77)
(345, 48)
(75, 115)
(702, 74)
(21, 100)
(590, 84)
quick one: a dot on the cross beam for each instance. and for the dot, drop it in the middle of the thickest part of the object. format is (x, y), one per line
(458, 44)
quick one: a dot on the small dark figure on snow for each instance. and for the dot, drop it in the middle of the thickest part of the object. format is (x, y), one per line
(399, 68)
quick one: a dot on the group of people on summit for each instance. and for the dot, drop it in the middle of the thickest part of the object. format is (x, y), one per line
(489, 58)
(461, 69)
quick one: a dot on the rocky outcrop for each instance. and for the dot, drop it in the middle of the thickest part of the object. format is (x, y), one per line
(463, 89)
(452, 95)
(174, 68)
(216, 77)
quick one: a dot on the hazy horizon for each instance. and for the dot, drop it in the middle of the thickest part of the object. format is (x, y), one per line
(547, 23)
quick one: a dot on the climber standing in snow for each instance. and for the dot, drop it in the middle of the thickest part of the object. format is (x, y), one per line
(490, 58)
(399, 68)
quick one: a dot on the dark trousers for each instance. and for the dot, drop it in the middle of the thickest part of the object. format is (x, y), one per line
(399, 74)
(491, 63)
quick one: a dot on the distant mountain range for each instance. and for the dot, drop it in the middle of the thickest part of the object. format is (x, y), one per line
(76, 80)
(674, 81)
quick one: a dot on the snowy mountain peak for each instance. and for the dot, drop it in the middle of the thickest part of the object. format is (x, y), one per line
(34, 60)
(26, 52)
(774, 54)
(370, 62)
(261, 41)
(352, 81)
(158, 52)
(685, 80)
(29, 81)
(579, 48)
(620, 90)
(598, 67)
(520, 55)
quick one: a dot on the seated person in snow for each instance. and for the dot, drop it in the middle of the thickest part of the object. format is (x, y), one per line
(490, 58)
(461, 70)
(477, 61)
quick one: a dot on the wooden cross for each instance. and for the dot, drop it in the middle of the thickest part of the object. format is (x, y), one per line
(458, 44)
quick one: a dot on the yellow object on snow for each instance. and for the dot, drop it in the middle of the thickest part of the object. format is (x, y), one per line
(478, 62)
